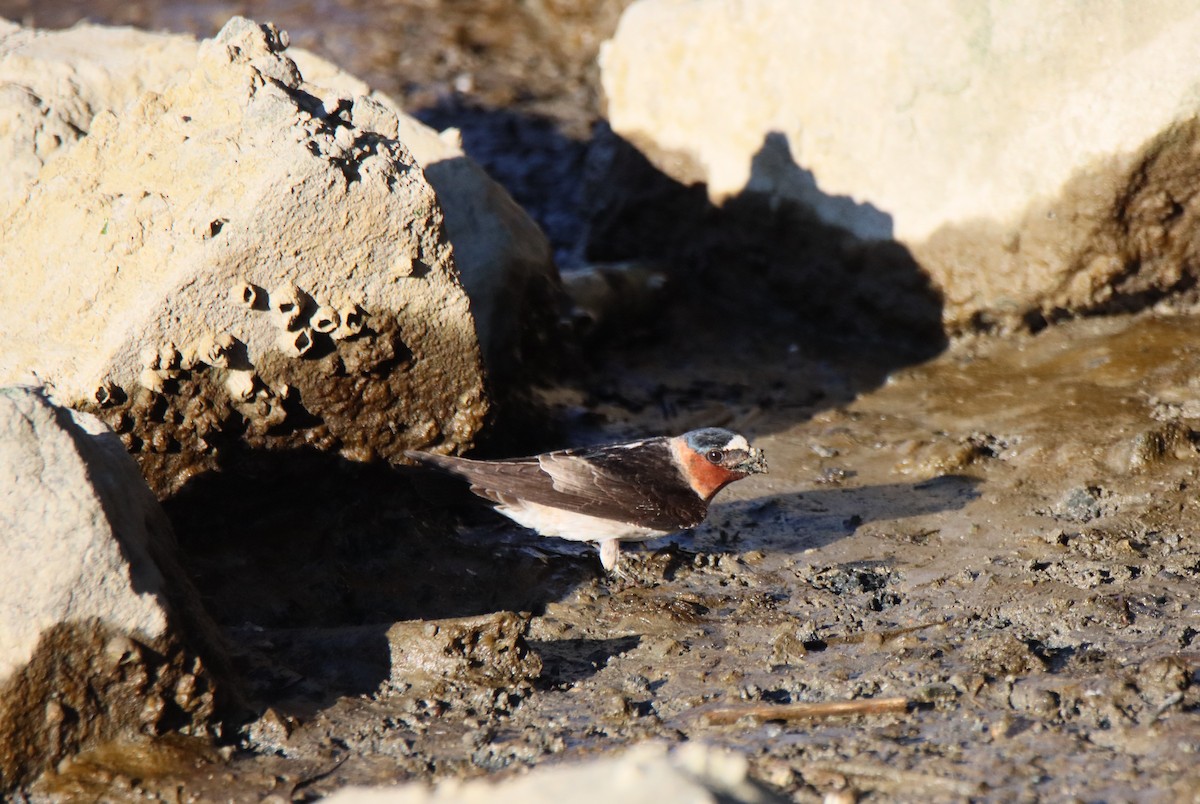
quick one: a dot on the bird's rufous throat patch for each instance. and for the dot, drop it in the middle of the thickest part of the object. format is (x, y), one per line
(706, 478)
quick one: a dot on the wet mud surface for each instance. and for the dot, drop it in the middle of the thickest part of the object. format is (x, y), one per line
(1002, 531)
(1004, 535)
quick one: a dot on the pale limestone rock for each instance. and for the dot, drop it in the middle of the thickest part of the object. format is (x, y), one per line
(91, 601)
(504, 258)
(53, 83)
(1034, 157)
(57, 81)
(648, 773)
(185, 222)
(67, 492)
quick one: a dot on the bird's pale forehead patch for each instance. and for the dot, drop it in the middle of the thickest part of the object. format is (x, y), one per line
(738, 442)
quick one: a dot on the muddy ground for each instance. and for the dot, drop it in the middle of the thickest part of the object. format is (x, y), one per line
(1002, 530)
(1004, 535)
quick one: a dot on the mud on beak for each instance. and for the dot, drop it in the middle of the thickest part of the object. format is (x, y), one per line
(755, 463)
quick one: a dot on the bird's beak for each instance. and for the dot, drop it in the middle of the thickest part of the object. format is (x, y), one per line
(755, 463)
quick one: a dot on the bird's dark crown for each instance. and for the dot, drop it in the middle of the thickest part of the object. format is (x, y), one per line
(709, 438)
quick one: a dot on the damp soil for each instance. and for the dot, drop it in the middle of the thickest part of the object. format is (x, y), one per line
(1003, 534)
(1002, 530)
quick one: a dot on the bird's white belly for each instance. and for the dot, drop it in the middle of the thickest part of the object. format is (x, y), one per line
(576, 527)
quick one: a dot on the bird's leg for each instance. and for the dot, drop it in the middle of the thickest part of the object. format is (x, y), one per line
(610, 551)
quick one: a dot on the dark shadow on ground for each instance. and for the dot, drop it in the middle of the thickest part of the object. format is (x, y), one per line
(760, 243)
(764, 306)
(760, 261)
(810, 519)
(570, 661)
(298, 548)
(302, 538)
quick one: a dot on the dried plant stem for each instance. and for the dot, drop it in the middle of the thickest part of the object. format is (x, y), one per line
(798, 711)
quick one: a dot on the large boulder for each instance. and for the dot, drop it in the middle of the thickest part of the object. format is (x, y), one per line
(101, 635)
(242, 257)
(1033, 159)
(55, 82)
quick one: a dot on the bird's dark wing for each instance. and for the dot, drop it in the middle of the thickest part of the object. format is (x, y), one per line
(638, 484)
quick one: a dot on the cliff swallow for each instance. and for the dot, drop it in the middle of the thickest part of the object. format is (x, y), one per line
(615, 493)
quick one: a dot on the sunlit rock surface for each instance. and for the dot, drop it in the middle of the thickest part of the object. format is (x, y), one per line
(1034, 159)
(238, 258)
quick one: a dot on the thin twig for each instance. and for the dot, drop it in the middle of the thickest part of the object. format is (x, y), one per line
(318, 776)
(883, 636)
(725, 715)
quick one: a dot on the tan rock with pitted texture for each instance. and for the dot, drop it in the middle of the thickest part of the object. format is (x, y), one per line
(182, 267)
(55, 82)
(646, 773)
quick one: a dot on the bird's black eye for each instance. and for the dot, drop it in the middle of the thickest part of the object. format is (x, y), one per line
(715, 455)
